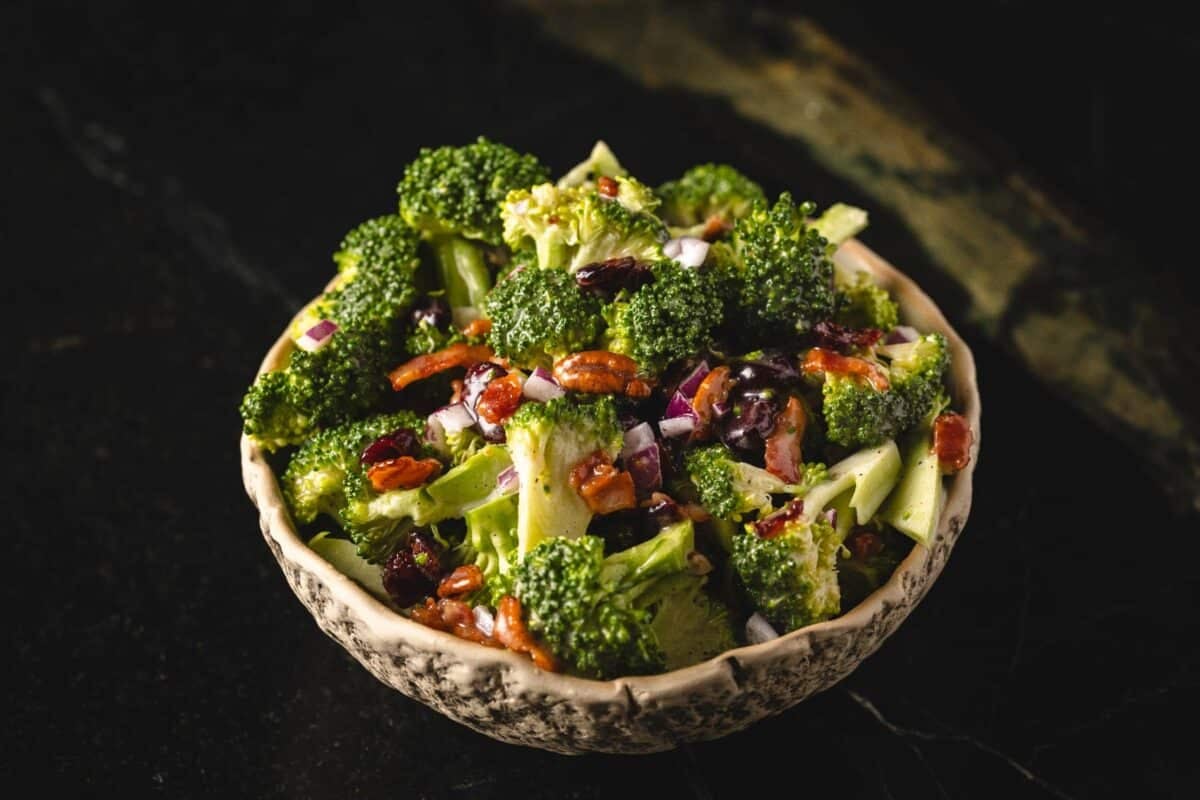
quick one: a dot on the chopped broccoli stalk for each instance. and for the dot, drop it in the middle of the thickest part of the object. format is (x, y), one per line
(573, 227)
(539, 315)
(601, 163)
(627, 614)
(457, 190)
(671, 318)
(546, 441)
(863, 304)
(840, 222)
(916, 504)
(472, 481)
(343, 555)
(706, 191)
(325, 472)
(464, 275)
(730, 489)
(491, 545)
(781, 268)
(858, 414)
(868, 476)
(791, 579)
(347, 378)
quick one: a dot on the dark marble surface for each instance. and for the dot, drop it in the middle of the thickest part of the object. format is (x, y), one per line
(175, 182)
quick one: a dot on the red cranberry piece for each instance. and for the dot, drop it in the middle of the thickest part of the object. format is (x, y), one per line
(403, 579)
(837, 337)
(611, 276)
(772, 525)
(400, 442)
(427, 556)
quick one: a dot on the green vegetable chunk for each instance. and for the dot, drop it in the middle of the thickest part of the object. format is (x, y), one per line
(706, 191)
(791, 579)
(539, 315)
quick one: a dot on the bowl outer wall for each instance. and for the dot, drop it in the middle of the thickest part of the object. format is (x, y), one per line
(504, 696)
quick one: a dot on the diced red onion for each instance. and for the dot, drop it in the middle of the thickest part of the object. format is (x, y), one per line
(317, 336)
(646, 468)
(901, 334)
(453, 418)
(692, 382)
(831, 517)
(484, 620)
(637, 438)
(673, 248)
(435, 435)
(680, 406)
(676, 426)
(692, 252)
(542, 372)
(541, 389)
(758, 630)
(508, 480)
(720, 408)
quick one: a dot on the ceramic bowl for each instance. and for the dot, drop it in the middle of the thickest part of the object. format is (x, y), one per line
(505, 696)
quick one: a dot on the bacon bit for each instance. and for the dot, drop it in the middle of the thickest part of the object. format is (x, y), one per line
(818, 360)
(600, 372)
(838, 337)
(783, 445)
(500, 399)
(772, 525)
(712, 391)
(463, 580)
(607, 187)
(864, 543)
(512, 633)
(456, 394)
(952, 441)
(478, 327)
(715, 227)
(552, 219)
(460, 620)
(404, 472)
(429, 615)
(456, 355)
(602, 486)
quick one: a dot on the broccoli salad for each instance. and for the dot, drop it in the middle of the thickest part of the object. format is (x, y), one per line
(616, 429)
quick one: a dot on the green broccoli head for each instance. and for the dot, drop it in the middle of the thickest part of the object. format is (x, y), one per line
(378, 523)
(730, 489)
(457, 190)
(791, 578)
(325, 471)
(863, 304)
(576, 226)
(708, 190)
(491, 544)
(539, 315)
(271, 411)
(546, 441)
(670, 318)
(858, 414)
(626, 614)
(784, 275)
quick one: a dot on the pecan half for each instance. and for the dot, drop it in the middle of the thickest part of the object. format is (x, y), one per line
(712, 391)
(404, 472)
(478, 327)
(600, 372)
(500, 398)
(602, 486)
(463, 580)
(512, 633)
(456, 355)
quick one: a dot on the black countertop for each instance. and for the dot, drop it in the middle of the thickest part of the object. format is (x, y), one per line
(176, 183)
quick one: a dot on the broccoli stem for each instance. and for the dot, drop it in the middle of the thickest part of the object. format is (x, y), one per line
(464, 275)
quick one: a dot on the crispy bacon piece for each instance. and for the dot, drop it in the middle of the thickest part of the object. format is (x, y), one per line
(460, 620)
(456, 390)
(602, 486)
(607, 187)
(429, 615)
(478, 327)
(456, 355)
(512, 633)
(404, 472)
(500, 399)
(772, 525)
(818, 360)
(783, 445)
(838, 337)
(713, 390)
(600, 372)
(952, 441)
(715, 227)
(463, 580)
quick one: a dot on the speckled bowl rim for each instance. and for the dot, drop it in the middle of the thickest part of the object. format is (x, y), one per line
(386, 625)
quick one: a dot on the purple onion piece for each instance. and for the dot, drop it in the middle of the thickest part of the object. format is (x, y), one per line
(691, 383)
(321, 330)
(758, 630)
(542, 390)
(646, 468)
(720, 409)
(680, 406)
(831, 517)
(544, 374)
(509, 479)
(637, 438)
(676, 426)
(485, 621)
(901, 334)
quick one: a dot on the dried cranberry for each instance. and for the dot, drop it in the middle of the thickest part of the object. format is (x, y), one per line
(400, 442)
(432, 311)
(865, 543)
(663, 510)
(772, 525)
(772, 368)
(833, 336)
(611, 276)
(751, 420)
(403, 579)
(427, 555)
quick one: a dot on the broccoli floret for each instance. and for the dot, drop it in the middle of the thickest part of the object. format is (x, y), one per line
(791, 578)
(491, 545)
(858, 414)
(626, 614)
(730, 489)
(457, 190)
(347, 378)
(325, 471)
(863, 304)
(461, 445)
(541, 314)
(602, 162)
(781, 268)
(840, 222)
(573, 227)
(706, 191)
(670, 318)
(546, 441)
